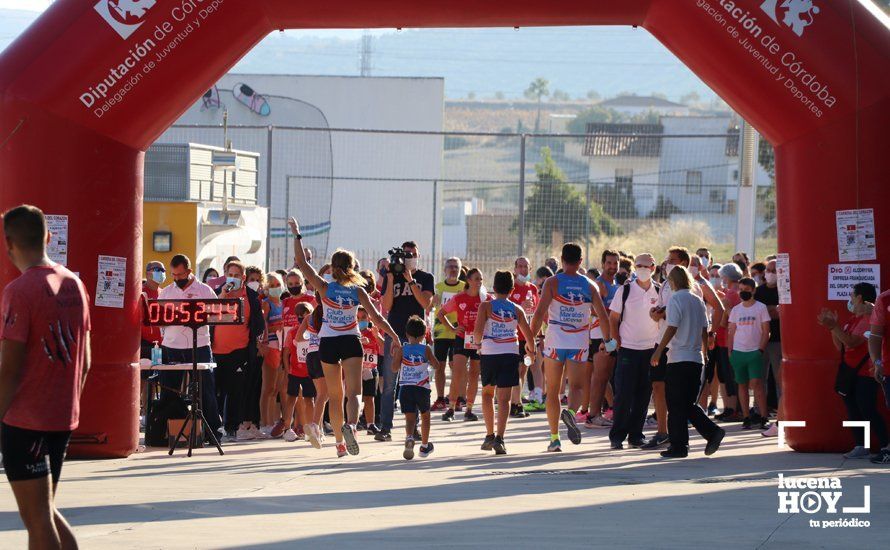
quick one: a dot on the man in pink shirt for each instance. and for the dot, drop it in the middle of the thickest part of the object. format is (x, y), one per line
(44, 359)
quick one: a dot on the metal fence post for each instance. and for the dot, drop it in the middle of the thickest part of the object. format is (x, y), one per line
(587, 227)
(269, 197)
(433, 252)
(521, 239)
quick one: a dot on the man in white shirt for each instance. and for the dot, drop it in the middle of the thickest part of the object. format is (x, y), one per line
(176, 346)
(637, 336)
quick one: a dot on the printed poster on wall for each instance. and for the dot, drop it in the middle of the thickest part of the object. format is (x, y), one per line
(783, 270)
(842, 278)
(57, 248)
(856, 235)
(111, 283)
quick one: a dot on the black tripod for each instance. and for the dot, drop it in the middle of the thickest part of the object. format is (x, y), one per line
(194, 398)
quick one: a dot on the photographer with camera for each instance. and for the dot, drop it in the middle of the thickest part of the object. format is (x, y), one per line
(407, 291)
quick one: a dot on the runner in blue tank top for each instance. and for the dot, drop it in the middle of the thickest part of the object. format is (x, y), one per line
(340, 348)
(415, 361)
(603, 362)
(567, 301)
(498, 324)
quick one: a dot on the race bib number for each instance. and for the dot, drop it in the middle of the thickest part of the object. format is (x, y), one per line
(369, 360)
(302, 351)
(470, 342)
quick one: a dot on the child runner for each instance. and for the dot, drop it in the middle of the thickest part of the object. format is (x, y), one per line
(340, 348)
(308, 331)
(496, 327)
(273, 374)
(567, 299)
(412, 362)
(372, 343)
(747, 337)
(300, 389)
(466, 306)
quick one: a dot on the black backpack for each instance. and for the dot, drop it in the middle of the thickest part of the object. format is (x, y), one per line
(169, 405)
(625, 293)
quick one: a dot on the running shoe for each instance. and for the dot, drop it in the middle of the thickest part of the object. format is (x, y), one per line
(265, 432)
(290, 436)
(230, 437)
(636, 443)
(712, 409)
(517, 411)
(461, 403)
(674, 452)
(314, 435)
(726, 413)
(328, 429)
(616, 446)
(383, 436)
(409, 448)
(564, 401)
(569, 420)
(858, 452)
(373, 429)
(659, 440)
(883, 457)
(499, 447)
(351, 441)
(531, 406)
(581, 417)
(714, 442)
(772, 431)
(608, 414)
(417, 435)
(426, 450)
(597, 422)
(651, 421)
(488, 444)
(341, 450)
(540, 406)
(245, 434)
(470, 417)
(554, 447)
(277, 430)
(301, 434)
(439, 405)
(448, 416)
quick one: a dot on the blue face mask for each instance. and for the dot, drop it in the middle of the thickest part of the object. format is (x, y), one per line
(850, 305)
(158, 276)
(234, 281)
(363, 325)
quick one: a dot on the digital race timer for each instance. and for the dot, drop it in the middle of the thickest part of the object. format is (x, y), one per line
(193, 313)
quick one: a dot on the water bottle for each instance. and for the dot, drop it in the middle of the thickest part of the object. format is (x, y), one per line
(155, 355)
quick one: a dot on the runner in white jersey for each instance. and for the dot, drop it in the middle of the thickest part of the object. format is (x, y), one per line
(567, 300)
(497, 326)
(340, 347)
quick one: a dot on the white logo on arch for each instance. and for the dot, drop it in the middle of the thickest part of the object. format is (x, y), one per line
(798, 14)
(124, 16)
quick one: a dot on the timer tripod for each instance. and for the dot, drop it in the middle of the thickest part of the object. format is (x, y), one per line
(194, 406)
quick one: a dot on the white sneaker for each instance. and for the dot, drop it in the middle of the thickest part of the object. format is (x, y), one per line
(245, 434)
(772, 431)
(314, 435)
(264, 432)
(290, 436)
(858, 452)
(598, 422)
(651, 422)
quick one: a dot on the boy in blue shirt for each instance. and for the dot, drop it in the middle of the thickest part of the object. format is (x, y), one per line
(413, 363)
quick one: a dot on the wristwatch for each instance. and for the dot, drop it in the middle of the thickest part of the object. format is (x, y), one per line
(412, 282)
(299, 237)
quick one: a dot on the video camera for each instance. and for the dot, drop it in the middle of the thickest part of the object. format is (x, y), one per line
(397, 257)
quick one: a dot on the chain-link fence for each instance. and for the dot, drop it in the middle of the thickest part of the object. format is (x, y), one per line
(488, 197)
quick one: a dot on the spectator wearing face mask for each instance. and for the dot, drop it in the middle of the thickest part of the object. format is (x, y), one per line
(861, 395)
(768, 295)
(747, 335)
(757, 272)
(177, 342)
(730, 275)
(741, 259)
(235, 348)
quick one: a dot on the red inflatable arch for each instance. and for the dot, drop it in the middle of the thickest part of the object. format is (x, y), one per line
(90, 85)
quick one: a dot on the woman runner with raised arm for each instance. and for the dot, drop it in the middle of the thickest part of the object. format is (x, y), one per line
(340, 347)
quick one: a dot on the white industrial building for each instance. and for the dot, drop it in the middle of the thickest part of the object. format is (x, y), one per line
(339, 183)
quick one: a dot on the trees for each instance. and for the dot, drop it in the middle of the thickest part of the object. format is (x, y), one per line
(537, 90)
(555, 206)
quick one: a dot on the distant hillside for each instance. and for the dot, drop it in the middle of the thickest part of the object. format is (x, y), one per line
(475, 62)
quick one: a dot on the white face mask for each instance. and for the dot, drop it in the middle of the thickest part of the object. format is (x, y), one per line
(644, 274)
(254, 285)
(521, 278)
(716, 282)
(411, 263)
(328, 277)
(668, 268)
(694, 271)
(771, 278)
